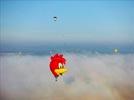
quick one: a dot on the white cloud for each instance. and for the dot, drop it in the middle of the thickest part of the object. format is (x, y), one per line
(95, 77)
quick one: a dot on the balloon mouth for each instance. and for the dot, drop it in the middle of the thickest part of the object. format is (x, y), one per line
(60, 71)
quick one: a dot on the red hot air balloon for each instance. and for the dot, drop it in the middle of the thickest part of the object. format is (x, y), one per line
(57, 65)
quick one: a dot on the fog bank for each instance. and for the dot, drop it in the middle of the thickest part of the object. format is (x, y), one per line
(95, 77)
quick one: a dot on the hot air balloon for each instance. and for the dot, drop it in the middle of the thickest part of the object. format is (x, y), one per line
(55, 18)
(116, 50)
(57, 65)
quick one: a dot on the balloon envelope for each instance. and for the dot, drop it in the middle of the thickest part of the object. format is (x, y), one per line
(55, 18)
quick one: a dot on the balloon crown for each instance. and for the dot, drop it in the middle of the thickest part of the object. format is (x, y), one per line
(58, 58)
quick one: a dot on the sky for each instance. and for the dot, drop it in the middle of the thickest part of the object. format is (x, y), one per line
(31, 21)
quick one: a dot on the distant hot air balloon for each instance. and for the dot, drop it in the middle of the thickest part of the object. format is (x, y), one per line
(55, 18)
(116, 50)
(57, 65)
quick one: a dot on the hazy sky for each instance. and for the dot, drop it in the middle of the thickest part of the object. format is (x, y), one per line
(78, 21)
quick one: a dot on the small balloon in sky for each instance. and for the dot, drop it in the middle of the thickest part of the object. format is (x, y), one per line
(55, 18)
(57, 65)
(116, 50)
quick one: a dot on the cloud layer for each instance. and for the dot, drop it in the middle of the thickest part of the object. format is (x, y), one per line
(95, 77)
